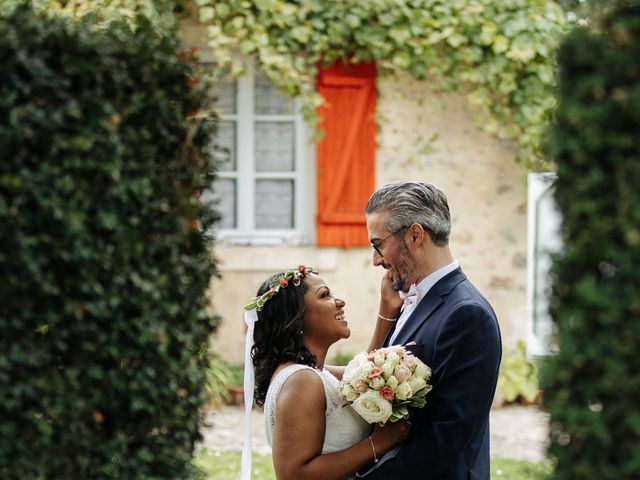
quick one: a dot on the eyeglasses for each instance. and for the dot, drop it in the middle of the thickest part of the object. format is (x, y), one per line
(379, 245)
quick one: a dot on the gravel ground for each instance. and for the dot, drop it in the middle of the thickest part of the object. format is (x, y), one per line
(518, 432)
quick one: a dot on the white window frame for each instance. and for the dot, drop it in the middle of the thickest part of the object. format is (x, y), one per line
(245, 174)
(543, 239)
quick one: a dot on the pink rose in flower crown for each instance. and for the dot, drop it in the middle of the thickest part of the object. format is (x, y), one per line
(382, 385)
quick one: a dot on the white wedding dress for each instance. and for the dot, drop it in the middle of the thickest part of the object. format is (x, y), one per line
(344, 427)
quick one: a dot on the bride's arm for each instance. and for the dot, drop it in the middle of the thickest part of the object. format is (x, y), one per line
(388, 312)
(299, 432)
(336, 370)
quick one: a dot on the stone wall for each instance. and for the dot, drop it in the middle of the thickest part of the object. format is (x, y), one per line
(422, 136)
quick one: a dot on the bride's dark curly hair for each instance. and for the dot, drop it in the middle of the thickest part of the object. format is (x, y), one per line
(278, 334)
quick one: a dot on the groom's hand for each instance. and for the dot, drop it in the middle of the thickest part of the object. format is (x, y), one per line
(391, 435)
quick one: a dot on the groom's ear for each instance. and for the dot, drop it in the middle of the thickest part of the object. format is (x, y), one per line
(418, 234)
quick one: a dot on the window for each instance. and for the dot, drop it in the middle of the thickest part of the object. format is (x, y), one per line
(262, 186)
(543, 239)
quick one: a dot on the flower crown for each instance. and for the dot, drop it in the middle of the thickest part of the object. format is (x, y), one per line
(293, 276)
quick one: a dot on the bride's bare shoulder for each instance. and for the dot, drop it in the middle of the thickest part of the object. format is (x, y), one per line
(303, 385)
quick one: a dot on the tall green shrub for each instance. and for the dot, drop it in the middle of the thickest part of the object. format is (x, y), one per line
(592, 386)
(102, 309)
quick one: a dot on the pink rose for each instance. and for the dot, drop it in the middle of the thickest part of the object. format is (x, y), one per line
(387, 393)
(375, 372)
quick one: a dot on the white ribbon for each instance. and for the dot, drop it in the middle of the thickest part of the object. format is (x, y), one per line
(250, 318)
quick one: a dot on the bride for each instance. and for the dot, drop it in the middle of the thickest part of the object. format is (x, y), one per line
(312, 432)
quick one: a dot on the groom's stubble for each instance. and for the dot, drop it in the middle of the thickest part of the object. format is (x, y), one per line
(404, 268)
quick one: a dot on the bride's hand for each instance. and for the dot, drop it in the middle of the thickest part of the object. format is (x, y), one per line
(390, 301)
(392, 434)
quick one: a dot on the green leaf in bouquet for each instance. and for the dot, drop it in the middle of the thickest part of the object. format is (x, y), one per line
(395, 418)
(422, 392)
(401, 410)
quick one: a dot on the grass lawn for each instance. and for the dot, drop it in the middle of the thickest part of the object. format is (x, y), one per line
(226, 466)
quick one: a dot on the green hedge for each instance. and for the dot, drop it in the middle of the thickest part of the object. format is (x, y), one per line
(103, 322)
(592, 386)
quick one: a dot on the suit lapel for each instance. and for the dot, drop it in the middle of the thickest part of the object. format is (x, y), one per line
(428, 305)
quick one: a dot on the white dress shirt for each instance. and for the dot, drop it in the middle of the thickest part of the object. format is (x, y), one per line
(423, 287)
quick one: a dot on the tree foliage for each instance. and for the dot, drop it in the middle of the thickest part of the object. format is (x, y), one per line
(103, 321)
(500, 51)
(592, 385)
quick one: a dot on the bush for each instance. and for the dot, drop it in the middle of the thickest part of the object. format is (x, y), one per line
(518, 378)
(592, 386)
(103, 317)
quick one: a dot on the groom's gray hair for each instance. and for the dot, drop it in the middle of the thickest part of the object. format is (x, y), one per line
(413, 202)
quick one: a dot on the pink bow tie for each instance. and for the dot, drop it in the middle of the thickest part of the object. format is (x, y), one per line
(410, 297)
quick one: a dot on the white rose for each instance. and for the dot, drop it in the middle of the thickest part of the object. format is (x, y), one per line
(416, 383)
(377, 383)
(404, 391)
(372, 407)
(392, 382)
(353, 368)
(387, 370)
(378, 358)
(393, 359)
(364, 371)
(348, 392)
(422, 371)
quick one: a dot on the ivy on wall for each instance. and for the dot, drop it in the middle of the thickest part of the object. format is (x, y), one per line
(501, 52)
(161, 13)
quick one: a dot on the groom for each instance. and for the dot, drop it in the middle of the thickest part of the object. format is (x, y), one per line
(447, 323)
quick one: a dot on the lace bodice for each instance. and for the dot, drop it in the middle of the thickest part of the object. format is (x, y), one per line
(344, 427)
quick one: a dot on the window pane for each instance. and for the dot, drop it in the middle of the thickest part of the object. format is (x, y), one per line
(274, 149)
(274, 204)
(225, 151)
(225, 97)
(269, 99)
(224, 190)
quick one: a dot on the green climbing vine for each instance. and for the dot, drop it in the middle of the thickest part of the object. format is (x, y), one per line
(500, 52)
(161, 13)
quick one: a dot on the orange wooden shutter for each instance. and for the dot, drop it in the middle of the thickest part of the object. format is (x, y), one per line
(346, 152)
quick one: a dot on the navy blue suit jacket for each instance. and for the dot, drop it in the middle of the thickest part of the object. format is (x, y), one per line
(456, 333)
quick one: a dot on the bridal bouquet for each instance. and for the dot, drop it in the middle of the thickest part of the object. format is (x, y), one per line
(383, 384)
